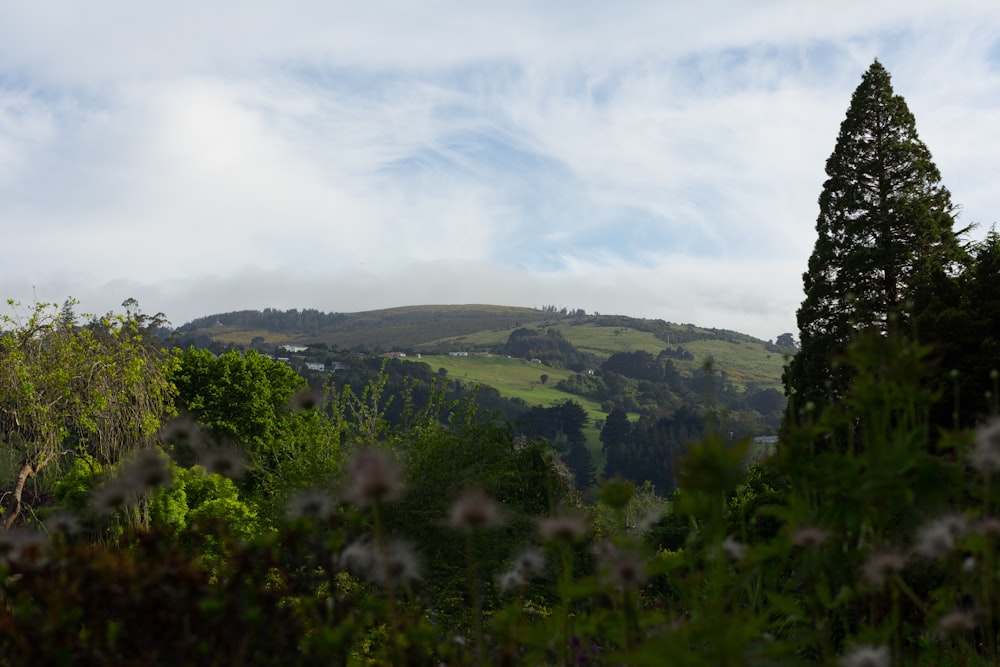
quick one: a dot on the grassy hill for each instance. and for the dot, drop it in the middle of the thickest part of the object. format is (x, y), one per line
(441, 329)
(434, 331)
(376, 330)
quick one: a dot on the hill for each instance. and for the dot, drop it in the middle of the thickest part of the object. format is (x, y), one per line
(440, 330)
(370, 331)
(648, 369)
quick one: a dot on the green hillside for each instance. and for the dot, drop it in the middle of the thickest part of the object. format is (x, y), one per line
(441, 329)
(483, 330)
(519, 378)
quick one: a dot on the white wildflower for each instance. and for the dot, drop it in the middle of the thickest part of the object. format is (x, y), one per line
(937, 538)
(984, 455)
(955, 623)
(881, 567)
(733, 549)
(866, 656)
(474, 509)
(372, 476)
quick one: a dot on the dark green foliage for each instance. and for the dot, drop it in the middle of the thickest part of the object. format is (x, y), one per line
(561, 424)
(670, 333)
(549, 347)
(885, 223)
(771, 565)
(154, 604)
(578, 459)
(444, 461)
(616, 430)
(641, 365)
(960, 317)
(651, 448)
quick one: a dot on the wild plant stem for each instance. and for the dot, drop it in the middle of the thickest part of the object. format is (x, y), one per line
(565, 584)
(477, 612)
(382, 542)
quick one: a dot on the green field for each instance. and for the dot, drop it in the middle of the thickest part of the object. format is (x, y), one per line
(518, 378)
(742, 362)
(604, 341)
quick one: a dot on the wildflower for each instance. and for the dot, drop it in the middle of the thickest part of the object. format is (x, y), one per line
(881, 567)
(561, 528)
(474, 509)
(530, 562)
(988, 527)
(372, 477)
(621, 566)
(62, 523)
(984, 455)
(866, 656)
(398, 564)
(22, 544)
(181, 432)
(308, 400)
(733, 549)
(956, 622)
(937, 538)
(527, 564)
(149, 470)
(511, 580)
(223, 461)
(113, 496)
(809, 537)
(649, 520)
(310, 504)
(358, 557)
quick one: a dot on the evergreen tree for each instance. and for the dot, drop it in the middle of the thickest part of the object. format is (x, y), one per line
(961, 316)
(885, 223)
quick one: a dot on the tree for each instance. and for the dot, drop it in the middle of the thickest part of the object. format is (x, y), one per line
(616, 430)
(99, 389)
(885, 222)
(961, 316)
(249, 402)
(786, 342)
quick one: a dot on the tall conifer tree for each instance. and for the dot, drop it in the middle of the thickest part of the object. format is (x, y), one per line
(884, 219)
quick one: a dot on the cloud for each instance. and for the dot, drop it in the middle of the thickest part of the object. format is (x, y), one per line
(651, 159)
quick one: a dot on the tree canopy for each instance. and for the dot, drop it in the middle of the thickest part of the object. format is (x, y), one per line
(100, 389)
(885, 223)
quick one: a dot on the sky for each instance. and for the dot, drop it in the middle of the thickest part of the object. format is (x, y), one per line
(651, 159)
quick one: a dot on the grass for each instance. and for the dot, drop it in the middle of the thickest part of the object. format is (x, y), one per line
(517, 378)
(742, 362)
(479, 327)
(604, 341)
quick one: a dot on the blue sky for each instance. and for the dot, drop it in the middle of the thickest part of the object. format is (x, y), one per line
(653, 159)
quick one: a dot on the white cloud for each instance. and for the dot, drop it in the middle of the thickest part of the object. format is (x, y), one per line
(652, 159)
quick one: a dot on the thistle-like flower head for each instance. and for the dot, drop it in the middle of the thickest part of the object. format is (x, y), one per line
(866, 656)
(881, 567)
(562, 528)
(372, 476)
(473, 510)
(984, 455)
